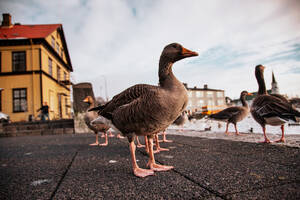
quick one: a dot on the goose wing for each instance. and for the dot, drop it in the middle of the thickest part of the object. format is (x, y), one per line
(226, 114)
(267, 106)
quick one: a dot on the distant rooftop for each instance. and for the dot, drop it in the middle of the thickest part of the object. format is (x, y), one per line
(18, 31)
(205, 88)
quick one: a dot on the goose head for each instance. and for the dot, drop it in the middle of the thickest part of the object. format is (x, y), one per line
(88, 100)
(259, 74)
(245, 93)
(174, 52)
(259, 71)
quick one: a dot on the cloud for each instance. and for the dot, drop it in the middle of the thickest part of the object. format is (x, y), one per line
(122, 40)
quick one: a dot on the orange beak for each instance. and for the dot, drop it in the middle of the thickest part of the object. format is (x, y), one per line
(188, 53)
(250, 94)
(86, 100)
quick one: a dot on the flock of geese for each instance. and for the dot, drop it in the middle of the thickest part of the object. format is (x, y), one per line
(145, 110)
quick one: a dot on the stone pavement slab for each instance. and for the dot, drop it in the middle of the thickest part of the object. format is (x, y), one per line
(66, 167)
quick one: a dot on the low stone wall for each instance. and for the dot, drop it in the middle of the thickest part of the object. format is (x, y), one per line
(64, 126)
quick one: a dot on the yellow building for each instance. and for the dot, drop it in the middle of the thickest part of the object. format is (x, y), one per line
(35, 68)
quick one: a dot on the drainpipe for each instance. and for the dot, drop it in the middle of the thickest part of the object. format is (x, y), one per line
(31, 44)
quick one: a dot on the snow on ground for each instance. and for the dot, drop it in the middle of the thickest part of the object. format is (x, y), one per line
(197, 128)
(243, 126)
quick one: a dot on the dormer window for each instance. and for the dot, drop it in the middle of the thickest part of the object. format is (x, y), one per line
(57, 47)
(53, 42)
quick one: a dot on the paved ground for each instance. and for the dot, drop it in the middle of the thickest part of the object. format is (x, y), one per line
(65, 167)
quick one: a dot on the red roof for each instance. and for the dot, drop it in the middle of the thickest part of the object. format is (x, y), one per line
(27, 31)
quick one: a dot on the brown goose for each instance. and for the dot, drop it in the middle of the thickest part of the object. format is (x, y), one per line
(147, 109)
(274, 110)
(233, 114)
(89, 117)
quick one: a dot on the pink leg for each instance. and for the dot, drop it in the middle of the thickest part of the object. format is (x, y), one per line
(265, 136)
(139, 172)
(158, 148)
(236, 131)
(106, 141)
(146, 144)
(164, 137)
(282, 139)
(151, 162)
(139, 145)
(96, 143)
(120, 136)
(226, 131)
(110, 134)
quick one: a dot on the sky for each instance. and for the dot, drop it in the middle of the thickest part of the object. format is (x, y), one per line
(115, 44)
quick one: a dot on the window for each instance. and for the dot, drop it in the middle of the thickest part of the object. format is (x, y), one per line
(61, 52)
(66, 105)
(53, 42)
(209, 94)
(199, 94)
(0, 61)
(19, 61)
(50, 66)
(20, 100)
(0, 99)
(219, 94)
(58, 73)
(200, 102)
(57, 47)
(220, 102)
(65, 76)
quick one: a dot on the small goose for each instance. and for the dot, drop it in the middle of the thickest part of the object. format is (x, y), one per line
(233, 114)
(274, 110)
(145, 110)
(89, 117)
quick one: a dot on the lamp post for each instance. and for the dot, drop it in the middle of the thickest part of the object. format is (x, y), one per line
(105, 85)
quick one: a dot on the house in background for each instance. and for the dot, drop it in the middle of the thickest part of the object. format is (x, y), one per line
(205, 99)
(35, 67)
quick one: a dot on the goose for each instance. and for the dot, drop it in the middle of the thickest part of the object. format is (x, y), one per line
(145, 110)
(233, 114)
(89, 117)
(274, 110)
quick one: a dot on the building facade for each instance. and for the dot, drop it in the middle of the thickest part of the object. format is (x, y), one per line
(35, 69)
(200, 99)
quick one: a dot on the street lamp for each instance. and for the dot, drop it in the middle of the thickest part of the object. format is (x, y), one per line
(105, 85)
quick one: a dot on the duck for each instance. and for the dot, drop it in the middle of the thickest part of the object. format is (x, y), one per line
(181, 119)
(145, 110)
(89, 117)
(233, 114)
(271, 109)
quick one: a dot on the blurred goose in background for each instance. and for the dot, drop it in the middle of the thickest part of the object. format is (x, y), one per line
(274, 109)
(137, 111)
(233, 114)
(89, 117)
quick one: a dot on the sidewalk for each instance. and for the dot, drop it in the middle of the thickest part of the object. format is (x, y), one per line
(65, 167)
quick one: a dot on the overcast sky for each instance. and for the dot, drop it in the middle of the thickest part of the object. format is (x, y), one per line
(120, 41)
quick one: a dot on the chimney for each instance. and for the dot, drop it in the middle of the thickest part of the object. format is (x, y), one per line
(205, 86)
(6, 20)
(185, 85)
